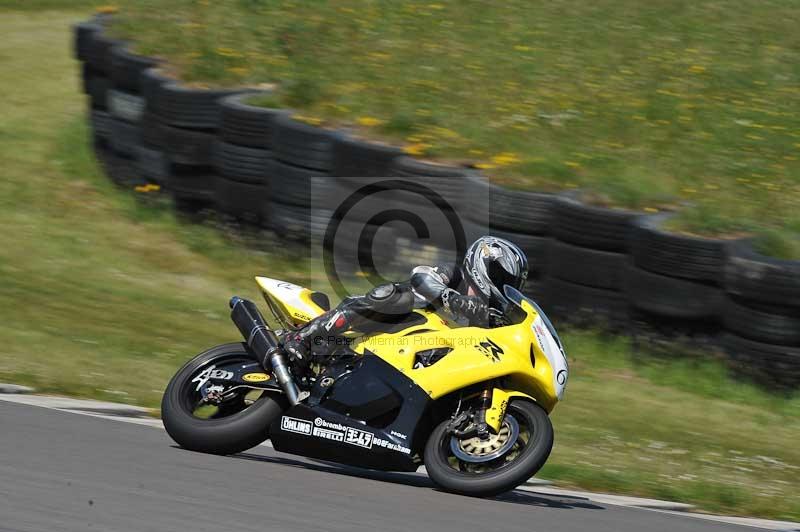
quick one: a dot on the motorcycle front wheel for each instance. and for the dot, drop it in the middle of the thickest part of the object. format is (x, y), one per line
(236, 425)
(484, 468)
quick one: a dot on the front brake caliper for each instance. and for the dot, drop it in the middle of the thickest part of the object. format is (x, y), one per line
(458, 421)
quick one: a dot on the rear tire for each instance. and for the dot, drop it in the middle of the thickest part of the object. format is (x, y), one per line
(230, 434)
(529, 460)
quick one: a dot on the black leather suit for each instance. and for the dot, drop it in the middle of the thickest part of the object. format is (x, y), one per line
(440, 287)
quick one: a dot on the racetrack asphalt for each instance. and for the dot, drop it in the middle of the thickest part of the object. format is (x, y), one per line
(61, 471)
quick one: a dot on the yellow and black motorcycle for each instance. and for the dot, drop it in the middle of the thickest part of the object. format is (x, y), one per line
(470, 404)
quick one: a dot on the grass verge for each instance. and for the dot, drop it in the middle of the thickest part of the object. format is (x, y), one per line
(104, 296)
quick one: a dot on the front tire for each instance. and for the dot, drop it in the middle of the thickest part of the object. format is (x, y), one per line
(485, 479)
(236, 428)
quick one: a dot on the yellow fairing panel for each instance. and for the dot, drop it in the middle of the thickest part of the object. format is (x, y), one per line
(292, 302)
(476, 355)
(500, 400)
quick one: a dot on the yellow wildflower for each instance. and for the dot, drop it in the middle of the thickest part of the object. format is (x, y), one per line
(108, 9)
(650, 209)
(697, 69)
(228, 52)
(416, 149)
(505, 159)
(572, 164)
(369, 121)
(521, 48)
(446, 133)
(484, 166)
(311, 120)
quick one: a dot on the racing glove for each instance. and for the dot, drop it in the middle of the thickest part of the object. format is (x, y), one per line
(431, 284)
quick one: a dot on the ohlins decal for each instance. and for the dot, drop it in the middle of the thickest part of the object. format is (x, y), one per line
(292, 424)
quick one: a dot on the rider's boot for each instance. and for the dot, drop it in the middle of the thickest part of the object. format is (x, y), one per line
(316, 336)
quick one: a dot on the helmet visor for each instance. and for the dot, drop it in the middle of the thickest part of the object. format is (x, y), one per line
(501, 277)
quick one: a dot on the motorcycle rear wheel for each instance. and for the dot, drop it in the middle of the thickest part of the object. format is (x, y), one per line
(481, 478)
(235, 426)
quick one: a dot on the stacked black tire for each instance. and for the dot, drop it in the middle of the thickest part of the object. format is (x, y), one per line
(674, 283)
(126, 106)
(152, 159)
(430, 205)
(586, 260)
(189, 119)
(761, 315)
(522, 217)
(356, 244)
(299, 174)
(243, 159)
(93, 48)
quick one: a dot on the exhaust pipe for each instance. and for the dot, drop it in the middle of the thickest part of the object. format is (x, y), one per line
(264, 343)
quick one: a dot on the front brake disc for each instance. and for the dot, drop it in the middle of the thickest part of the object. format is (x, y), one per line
(476, 450)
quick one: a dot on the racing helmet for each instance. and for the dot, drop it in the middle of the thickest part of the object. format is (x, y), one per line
(491, 263)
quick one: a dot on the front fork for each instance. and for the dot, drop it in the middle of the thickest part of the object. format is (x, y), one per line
(474, 419)
(484, 404)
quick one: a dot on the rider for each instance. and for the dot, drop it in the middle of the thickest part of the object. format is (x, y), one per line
(471, 294)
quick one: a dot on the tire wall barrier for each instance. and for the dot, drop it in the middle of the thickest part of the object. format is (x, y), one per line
(590, 265)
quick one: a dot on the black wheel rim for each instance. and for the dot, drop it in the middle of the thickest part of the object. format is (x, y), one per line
(191, 392)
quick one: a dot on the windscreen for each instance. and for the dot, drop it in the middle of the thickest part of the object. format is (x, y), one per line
(516, 297)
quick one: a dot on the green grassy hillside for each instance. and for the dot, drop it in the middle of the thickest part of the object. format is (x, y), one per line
(102, 295)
